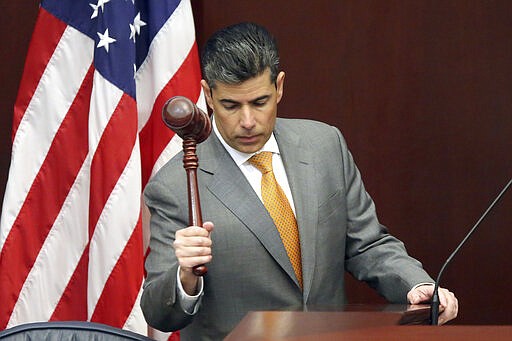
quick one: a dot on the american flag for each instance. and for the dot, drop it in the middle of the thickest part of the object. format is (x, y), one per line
(87, 136)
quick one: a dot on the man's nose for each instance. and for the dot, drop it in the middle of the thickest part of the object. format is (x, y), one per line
(247, 117)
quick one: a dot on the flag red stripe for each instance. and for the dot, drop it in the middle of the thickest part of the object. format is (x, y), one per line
(155, 135)
(111, 156)
(128, 271)
(37, 215)
(45, 38)
(115, 147)
(175, 336)
(73, 302)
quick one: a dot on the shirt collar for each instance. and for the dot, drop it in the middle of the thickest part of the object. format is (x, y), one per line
(240, 157)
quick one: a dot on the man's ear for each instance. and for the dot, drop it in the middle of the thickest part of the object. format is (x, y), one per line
(207, 93)
(280, 85)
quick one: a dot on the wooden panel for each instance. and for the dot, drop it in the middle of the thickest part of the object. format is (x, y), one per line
(421, 90)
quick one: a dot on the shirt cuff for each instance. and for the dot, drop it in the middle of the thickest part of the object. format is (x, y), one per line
(189, 304)
(421, 284)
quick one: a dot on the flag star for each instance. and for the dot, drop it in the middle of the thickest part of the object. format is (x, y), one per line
(132, 32)
(138, 23)
(95, 10)
(105, 40)
(135, 27)
(99, 4)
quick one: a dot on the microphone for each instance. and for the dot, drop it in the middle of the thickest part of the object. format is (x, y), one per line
(434, 305)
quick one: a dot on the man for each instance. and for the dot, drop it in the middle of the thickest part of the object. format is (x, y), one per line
(250, 265)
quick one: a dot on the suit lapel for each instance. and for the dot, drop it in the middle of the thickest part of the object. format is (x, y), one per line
(230, 187)
(300, 171)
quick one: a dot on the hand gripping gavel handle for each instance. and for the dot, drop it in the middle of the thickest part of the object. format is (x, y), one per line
(193, 126)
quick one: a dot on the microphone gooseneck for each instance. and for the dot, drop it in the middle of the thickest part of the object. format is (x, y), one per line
(434, 305)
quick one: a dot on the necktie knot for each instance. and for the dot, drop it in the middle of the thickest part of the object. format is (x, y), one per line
(262, 161)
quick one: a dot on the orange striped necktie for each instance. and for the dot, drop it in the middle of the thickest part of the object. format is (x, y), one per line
(280, 210)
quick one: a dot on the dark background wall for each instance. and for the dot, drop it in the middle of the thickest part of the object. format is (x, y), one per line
(422, 92)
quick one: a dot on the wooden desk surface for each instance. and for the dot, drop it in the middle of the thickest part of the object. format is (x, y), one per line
(353, 325)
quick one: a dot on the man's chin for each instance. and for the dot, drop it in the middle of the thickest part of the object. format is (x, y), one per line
(248, 149)
(248, 145)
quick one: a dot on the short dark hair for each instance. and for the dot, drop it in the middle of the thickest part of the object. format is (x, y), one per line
(239, 52)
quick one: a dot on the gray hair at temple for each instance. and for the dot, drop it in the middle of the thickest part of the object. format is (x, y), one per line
(239, 52)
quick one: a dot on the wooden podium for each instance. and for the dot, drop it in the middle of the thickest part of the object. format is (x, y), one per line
(392, 323)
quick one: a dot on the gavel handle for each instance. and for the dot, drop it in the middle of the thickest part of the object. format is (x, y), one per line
(194, 212)
(190, 163)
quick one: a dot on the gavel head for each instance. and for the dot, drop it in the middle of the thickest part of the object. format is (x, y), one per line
(186, 119)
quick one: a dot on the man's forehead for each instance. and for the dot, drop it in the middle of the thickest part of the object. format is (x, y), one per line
(249, 90)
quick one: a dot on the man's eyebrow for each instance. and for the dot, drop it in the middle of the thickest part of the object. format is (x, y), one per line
(228, 101)
(231, 101)
(260, 98)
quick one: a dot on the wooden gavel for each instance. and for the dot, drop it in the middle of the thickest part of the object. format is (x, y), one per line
(193, 126)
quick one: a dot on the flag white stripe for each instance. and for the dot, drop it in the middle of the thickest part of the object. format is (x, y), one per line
(201, 102)
(58, 258)
(104, 99)
(114, 228)
(48, 107)
(174, 146)
(135, 321)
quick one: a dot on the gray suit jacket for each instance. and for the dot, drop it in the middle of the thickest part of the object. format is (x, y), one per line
(250, 269)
